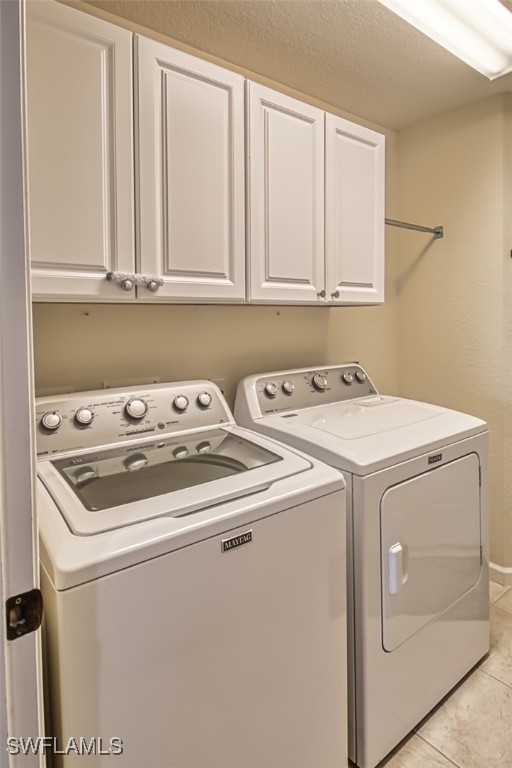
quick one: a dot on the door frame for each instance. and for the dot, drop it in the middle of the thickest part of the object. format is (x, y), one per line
(20, 669)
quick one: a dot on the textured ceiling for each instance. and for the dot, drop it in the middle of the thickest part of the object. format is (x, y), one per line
(353, 54)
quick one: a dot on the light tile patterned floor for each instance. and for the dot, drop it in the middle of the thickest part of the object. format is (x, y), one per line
(472, 728)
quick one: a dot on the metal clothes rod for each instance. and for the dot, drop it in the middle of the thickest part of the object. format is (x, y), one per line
(436, 231)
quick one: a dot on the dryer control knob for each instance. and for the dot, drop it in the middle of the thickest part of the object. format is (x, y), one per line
(347, 378)
(270, 389)
(181, 402)
(204, 399)
(288, 387)
(84, 416)
(51, 420)
(136, 408)
(360, 376)
(319, 382)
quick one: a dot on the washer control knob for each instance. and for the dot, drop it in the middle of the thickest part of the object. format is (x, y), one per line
(135, 462)
(360, 376)
(181, 452)
(288, 387)
(270, 389)
(136, 408)
(347, 377)
(84, 416)
(204, 399)
(51, 420)
(181, 402)
(204, 447)
(319, 382)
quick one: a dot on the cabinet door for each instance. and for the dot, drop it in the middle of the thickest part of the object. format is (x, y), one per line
(286, 198)
(80, 153)
(354, 213)
(191, 175)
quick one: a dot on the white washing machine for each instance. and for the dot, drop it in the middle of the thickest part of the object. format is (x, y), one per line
(416, 537)
(193, 582)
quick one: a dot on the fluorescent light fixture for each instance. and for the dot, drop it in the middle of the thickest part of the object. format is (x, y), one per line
(477, 31)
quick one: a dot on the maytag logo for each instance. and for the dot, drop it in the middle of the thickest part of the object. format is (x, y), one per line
(236, 541)
(435, 459)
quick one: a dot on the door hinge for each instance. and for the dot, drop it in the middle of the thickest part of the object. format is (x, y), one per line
(24, 613)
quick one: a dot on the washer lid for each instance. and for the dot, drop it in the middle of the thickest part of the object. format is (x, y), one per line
(108, 489)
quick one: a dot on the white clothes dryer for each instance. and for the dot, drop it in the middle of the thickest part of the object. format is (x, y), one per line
(193, 582)
(416, 536)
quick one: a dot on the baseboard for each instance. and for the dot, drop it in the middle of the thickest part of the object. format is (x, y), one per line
(500, 575)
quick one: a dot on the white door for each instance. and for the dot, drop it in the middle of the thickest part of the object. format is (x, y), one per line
(286, 198)
(430, 546)
(20, 712)
(80, 153)
(190, 117)
(354, 202)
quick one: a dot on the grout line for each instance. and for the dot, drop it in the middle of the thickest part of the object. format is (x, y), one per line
(503, 610)
(438, 750)
(498, 680)
(499, 597)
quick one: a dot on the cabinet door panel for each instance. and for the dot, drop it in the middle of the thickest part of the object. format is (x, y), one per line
(286, 238)
(80, 152)
(191, 172)
(354, 213)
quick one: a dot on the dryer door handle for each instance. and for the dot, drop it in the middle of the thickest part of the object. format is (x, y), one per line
(398, 567)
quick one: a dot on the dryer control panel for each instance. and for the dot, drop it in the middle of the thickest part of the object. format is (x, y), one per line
(292, 390)
(102, 417)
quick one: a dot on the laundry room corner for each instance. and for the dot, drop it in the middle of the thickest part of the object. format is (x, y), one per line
(454, 321)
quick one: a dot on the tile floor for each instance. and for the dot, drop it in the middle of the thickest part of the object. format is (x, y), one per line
(472, 727)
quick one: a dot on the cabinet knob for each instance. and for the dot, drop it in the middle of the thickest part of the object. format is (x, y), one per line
(127, 285)
(335, 295)
(152, 286)
(321, 294)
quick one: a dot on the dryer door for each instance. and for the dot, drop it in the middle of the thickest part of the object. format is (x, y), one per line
(430, 546)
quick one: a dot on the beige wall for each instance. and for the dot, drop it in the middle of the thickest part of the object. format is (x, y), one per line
(81, 346)
(451, 295)
(507, 335)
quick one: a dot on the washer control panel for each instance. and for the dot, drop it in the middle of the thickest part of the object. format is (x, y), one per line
(94, 419)
(292, 390)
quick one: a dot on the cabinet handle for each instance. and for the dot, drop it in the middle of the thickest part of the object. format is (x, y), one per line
(321, 294)
(125, 280)
(128, 280)
(335, 295)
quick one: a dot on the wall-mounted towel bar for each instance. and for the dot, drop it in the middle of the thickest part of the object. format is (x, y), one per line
(436, 231)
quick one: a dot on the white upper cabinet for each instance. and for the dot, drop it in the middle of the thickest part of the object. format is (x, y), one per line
(143, 177)
(286, 198)
(294, 197)
(190, 175)
(354, 213)
(80, 153)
